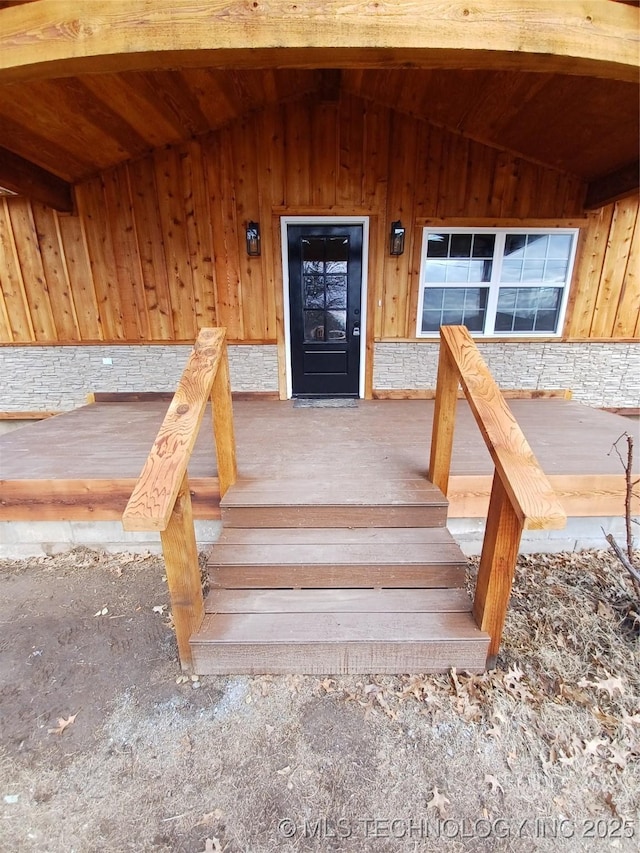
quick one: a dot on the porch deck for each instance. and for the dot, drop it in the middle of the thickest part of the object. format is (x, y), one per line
(82, 465)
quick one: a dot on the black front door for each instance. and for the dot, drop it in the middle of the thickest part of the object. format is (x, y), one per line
(325, 284)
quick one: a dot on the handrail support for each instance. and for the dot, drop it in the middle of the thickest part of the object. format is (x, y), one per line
(497, 566)
(180, 553)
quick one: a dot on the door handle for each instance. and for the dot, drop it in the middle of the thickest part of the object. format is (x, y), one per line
(356, 330)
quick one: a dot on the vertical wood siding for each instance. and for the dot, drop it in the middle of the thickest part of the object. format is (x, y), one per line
(156, 249)
(606, 289)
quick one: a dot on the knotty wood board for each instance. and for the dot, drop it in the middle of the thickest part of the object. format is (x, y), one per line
(90, 500)
(338, 601)
(323, 658)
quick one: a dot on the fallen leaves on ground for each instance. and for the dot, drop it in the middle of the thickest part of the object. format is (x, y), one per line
(438, 801)
(63, 724)
(567, 681)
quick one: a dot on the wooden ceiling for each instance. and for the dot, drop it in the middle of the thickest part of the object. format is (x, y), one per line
(56, 132)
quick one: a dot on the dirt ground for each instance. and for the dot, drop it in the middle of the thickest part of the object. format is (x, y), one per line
(105, 748)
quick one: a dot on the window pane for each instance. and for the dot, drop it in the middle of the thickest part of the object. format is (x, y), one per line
(461, 245)
(483, 245)
(532, 270)
(536, 245)
(433, 297)
(511, 271)
(480, 270)
(313, 326)
(438, 245)
(514, 244)
(430, 321)
(559, 246)
(454, 299)
(435, 271)
(555, 271)
(457, 272)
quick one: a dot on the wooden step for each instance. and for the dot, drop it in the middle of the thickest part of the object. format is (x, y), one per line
(340, 503)
(346, 558)
(337, 632)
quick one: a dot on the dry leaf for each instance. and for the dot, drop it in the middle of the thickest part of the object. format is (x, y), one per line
(608, 798)
(493, 783)
(62, 724)
(212, 845)
(617, 755)
(591, 746)
(438, 801)
(609, 684)
(160, 608)
(102, 612)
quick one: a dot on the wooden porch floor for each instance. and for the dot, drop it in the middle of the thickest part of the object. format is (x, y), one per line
(334, 555)
(83, 464)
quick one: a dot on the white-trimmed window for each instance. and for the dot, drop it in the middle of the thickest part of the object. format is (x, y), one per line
(496, 281)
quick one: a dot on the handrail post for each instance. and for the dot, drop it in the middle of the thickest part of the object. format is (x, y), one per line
(444, 416)
(497, 567)
(223, 431)
(183, 572)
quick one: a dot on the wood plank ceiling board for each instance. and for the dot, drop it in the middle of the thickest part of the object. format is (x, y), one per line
(559, 120)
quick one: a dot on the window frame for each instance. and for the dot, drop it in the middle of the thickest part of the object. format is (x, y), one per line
(494, 284)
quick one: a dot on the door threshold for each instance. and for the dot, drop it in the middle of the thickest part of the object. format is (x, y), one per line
(325, 402)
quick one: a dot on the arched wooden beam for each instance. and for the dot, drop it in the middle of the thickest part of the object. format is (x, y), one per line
(54, 38)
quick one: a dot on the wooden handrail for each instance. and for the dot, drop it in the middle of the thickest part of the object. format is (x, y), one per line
(161, 499)
(521, 495)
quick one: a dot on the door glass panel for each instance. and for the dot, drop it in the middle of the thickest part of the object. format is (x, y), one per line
(313, 326)
(324, 288)
(336, 291)
(336, 325)
(314, 291)
(337, 249)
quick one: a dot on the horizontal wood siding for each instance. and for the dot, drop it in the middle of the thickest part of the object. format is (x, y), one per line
(156, 249)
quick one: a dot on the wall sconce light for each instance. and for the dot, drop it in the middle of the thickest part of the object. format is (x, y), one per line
(253, 239)
(396, 238)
